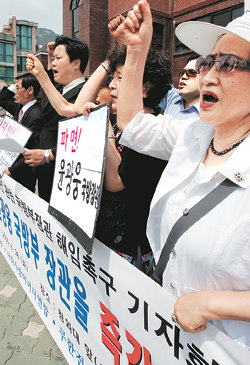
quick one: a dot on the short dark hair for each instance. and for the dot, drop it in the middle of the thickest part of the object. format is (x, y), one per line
(75, 49)
(29, 80)
(116, 57)
(157, 72)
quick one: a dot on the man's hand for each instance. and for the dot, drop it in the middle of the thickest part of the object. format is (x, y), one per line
(138, 25)
(7, 172)
(33, 65)
(34, 157)
(116, 29)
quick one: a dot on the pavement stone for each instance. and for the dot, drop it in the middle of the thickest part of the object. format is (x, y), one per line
(26, 309)
(17, 298)
(5, 356)
(24, 339)
(17, 326)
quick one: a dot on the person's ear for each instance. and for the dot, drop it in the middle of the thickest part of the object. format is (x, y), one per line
(76, 64)
(30, 90)
(145, 89)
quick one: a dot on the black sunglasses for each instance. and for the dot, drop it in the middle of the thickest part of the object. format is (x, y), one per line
(226, 63)
(190, 72)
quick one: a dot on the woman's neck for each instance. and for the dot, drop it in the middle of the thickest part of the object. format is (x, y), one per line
(222, 142)
(225, 139)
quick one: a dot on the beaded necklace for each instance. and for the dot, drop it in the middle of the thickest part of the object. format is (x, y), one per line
(227, 149)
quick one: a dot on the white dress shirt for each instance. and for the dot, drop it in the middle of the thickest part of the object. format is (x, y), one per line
(213, 254)
(72, 84)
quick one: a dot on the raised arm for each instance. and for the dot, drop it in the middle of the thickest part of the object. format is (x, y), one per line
(116, 29)
(138, 32)
(113, 181)
(62, 106)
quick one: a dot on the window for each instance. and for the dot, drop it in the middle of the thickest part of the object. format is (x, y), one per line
(24, 37)
(21, 64)
(157, 40)
(237, 12)
(221, 18)
(6, 52)
(7, 74)
(74, 7)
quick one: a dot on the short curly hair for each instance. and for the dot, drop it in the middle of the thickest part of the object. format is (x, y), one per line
(157, 72)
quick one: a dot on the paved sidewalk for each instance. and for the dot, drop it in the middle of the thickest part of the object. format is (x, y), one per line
(24, 339)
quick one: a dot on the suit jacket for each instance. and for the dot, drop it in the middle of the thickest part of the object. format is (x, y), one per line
(48, 140)
(32, 119)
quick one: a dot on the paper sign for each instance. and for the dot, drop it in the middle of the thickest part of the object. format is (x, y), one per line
(79, 170)
(13, 136)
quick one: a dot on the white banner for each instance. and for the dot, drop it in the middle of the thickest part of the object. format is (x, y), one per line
(99, 309)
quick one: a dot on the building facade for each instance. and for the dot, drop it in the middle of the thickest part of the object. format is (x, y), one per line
(88, 19)
(16, 40)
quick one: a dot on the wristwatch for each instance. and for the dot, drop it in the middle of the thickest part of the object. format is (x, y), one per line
(46, 156)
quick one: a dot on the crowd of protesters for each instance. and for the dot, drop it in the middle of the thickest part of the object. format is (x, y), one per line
(168, 149)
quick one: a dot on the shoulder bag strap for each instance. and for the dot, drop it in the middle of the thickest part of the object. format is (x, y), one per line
(189, 217)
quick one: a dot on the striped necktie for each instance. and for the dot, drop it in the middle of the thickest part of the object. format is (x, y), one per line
(20, 116)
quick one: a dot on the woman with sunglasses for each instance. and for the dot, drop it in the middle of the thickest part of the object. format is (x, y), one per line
(209, 269)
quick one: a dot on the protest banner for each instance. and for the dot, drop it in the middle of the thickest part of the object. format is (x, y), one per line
(11, 132)
(79, 170)
(99, 308)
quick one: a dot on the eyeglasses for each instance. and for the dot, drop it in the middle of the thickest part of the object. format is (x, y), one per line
(226, 63)
(190, 72)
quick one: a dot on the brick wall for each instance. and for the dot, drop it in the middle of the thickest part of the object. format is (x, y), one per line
(94, 16)
(203, 8)
(99, 36)
(67, 23)
(33, 39)
(118, 7)
(93, 20)
(13, 32)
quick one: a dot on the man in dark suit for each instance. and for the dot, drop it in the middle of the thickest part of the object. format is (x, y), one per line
(69, 58)
(26, 111)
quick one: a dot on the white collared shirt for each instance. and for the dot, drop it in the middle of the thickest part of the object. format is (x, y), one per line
(214, 254)
(72, 84)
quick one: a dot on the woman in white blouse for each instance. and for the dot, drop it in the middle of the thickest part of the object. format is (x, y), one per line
(209, 271)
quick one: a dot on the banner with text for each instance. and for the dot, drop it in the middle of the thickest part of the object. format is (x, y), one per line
(99, 309)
